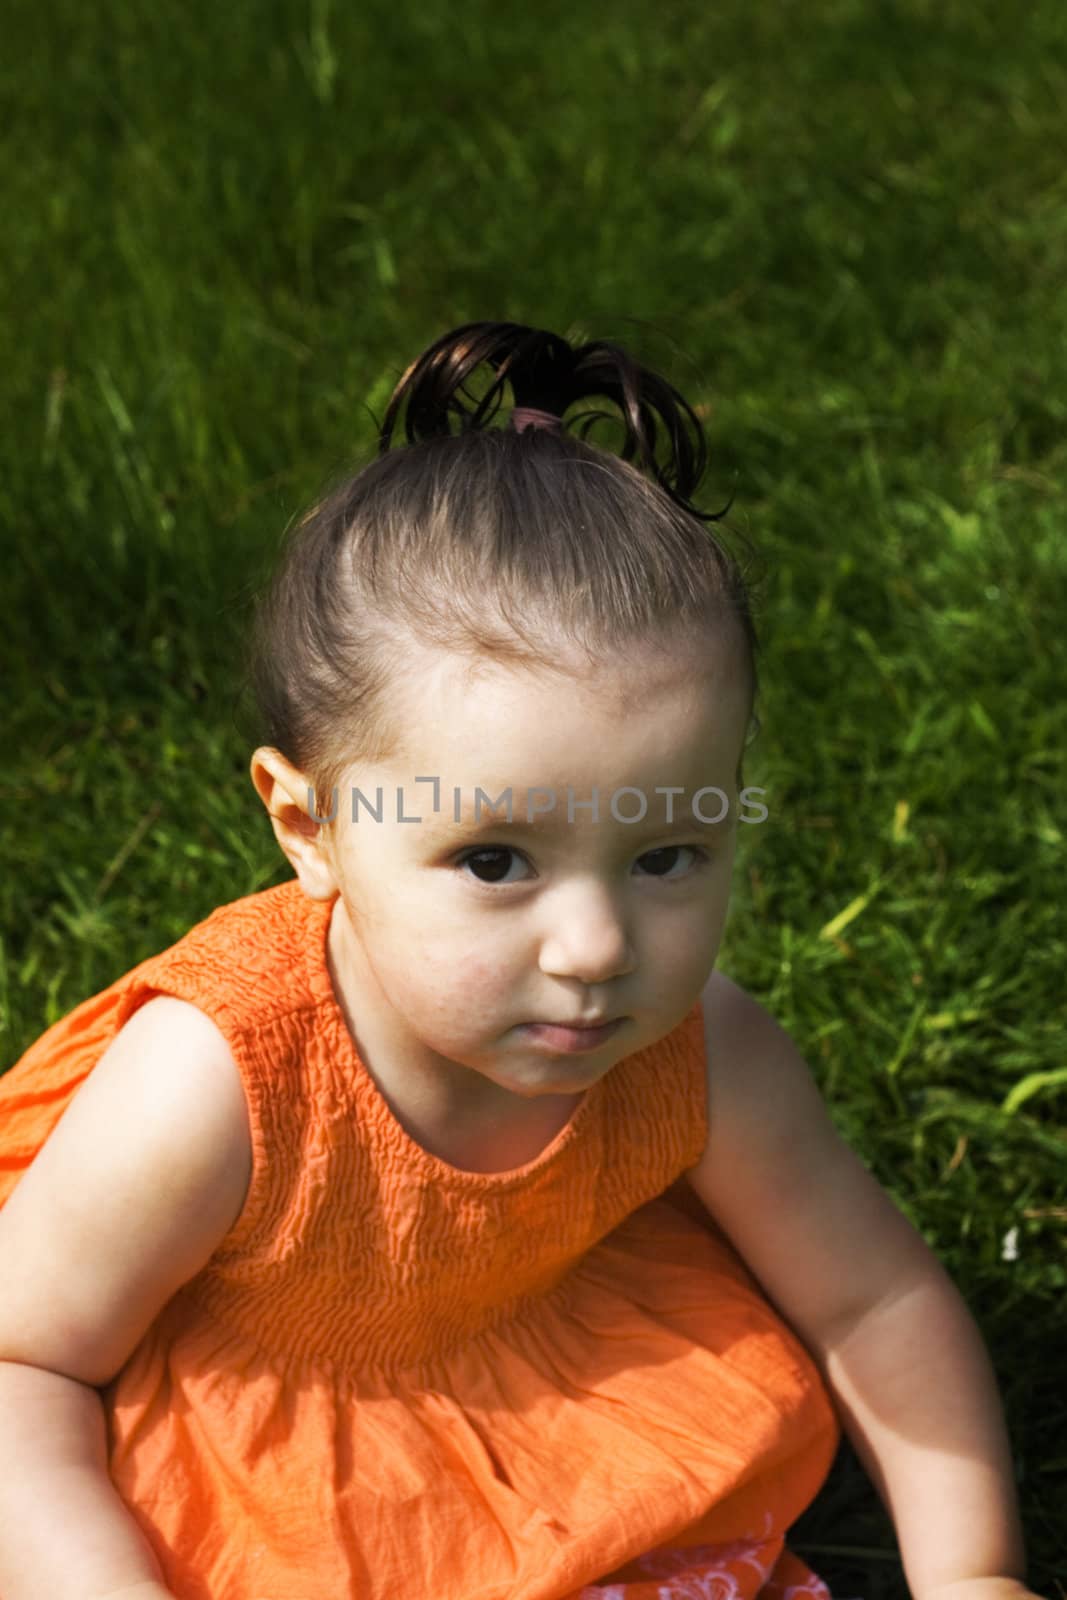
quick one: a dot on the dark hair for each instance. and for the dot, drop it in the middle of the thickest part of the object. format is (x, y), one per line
(488, 542)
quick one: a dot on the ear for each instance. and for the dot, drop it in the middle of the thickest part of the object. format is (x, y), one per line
(283, 789)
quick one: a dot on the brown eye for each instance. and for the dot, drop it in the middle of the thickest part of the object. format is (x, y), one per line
(669, 850)
(493, 862)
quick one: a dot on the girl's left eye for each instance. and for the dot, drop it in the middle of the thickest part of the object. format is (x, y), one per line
(490, 858)
(701, 856)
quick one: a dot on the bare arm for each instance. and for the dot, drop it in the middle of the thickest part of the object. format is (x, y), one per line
(917, 1396)
(128, 1197)
(897, 1347)
(67, 1534)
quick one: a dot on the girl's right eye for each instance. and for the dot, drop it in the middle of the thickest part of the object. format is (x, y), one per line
(497, 871)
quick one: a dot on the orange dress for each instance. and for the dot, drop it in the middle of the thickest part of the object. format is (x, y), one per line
(397, 1380)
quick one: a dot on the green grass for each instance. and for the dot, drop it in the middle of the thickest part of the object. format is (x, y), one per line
(842, 228)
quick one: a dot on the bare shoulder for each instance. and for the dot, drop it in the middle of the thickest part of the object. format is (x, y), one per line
(731, 1014)
(171, 1047)
(755, 1072)
(174, 1052)
(154, 1150)
(759, 1088)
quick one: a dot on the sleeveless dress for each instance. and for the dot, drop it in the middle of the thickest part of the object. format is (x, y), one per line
(395, 1378)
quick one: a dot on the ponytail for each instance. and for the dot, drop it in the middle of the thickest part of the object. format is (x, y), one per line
(545, 373)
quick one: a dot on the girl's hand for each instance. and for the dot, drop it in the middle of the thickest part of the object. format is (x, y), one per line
(981, 1589)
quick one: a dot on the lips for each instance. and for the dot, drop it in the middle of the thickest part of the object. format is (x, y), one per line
(566, 1037)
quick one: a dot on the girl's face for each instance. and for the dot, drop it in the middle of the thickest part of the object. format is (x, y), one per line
(448, 939)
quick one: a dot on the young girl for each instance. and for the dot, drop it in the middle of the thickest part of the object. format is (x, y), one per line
(440, 1224)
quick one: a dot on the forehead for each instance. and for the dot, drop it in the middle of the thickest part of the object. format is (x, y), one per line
(674, 704)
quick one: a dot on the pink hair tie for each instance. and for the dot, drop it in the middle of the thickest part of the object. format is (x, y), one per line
(529, 417)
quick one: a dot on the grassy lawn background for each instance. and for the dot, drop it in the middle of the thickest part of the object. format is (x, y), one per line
(842, 229)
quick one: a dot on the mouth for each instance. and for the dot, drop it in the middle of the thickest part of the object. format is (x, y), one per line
(570, 1036)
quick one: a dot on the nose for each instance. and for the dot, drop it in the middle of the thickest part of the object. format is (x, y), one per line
(587, 938)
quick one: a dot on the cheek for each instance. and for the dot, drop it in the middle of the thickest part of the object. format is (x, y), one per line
(447, 970)
(684, 950)
(452, 998)
(464, 966)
